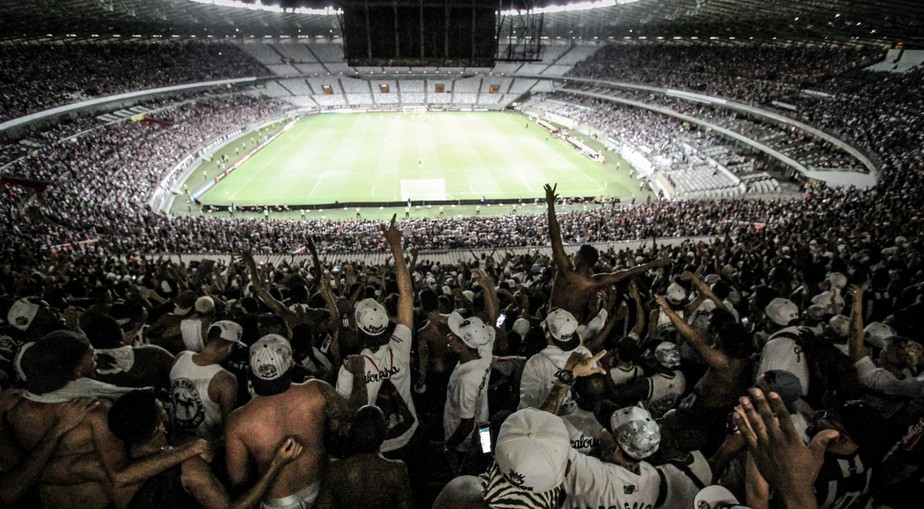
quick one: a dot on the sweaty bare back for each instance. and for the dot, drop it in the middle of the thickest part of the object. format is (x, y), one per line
(257, 429)
(29, 422)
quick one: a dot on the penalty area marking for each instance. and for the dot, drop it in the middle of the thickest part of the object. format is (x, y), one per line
(423, 189)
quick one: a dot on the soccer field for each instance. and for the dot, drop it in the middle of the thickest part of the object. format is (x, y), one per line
(391, 157)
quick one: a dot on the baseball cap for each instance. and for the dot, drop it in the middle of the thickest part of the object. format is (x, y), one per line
(371, 317)
(675, 293)
(532, 450)
(667, 354)
(472, 331)
(521, 327)
(782, 311)
(876, 333)
(837, 280)
(840, 325)
(784, 383)
(715, 497)
(205, 305)
(562, 325)
(22, 312)
(270, 357)
(229, 331)
(637, 434)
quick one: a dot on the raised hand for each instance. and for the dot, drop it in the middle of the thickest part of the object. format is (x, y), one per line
(662, 302)
(788, 465)
(550, 195)
(391, 233)
(582, 364)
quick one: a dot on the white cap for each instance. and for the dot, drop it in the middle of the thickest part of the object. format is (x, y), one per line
(521, 326)
(675, 293)
(205, 305)
(371, 317)
(21, 313)
(637, 434)
(230, 331)
(532, 450)
(826, 298)
(562, 325)
(472, 331)
(270, 357)
(837, 280)
(668, 354)
(715, 497)
(840, 325)
(782, 311)
(876, 333)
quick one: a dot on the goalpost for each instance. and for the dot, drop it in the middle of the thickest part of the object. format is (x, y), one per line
(418, 111)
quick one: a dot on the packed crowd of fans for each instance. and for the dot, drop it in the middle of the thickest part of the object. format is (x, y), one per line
(749, 73)
(777, 365)
(42, 76)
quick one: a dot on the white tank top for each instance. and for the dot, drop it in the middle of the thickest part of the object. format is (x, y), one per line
(664, 392)
(194, 413)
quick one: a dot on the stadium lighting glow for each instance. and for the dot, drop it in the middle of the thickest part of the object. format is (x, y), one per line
(258, 6)
(577, 6)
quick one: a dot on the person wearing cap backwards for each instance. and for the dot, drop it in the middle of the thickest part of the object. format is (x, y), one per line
(196, 327)
(661, 391)
(282, 410)
(52, 365)
(202, 392)
(575, 287)
(467, 393)
(540, 370)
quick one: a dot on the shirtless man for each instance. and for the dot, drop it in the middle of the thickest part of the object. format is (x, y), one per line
(436, 358)
(49, 365)
(365, 478)
(282, 409)
(575, 288)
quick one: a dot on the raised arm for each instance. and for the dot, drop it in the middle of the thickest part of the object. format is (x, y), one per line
(702, 288)
(402, 275)
(558, 250)
(604, 280)
(491, 304)
(711, 356)
(856, 349)
(278, 307)
(579, 364)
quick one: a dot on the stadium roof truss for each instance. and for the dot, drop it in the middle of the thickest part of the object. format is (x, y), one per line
(883, 22)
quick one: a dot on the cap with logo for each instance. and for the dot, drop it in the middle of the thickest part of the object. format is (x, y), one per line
(561, 325)
(371, 317)
(716, 497)
(270, 357)
(532, 450)
(675, 294)
(22, 312)
(667, 354)
(636, 432)
(472, 331)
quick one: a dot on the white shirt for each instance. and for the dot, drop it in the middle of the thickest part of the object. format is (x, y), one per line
(591, 482)
(782, 352)
(681, 489)
(539, 376)
(390, 362)
(622, 376)
(881, 381)
(194, 412)
(466, 397)
(583, 429)
(664, 392)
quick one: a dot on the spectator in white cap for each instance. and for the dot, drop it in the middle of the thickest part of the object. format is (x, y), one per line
(676, 297)
(283, 409)
(195, 328)
(621, 477)
(467, 394)
(784, 348)
(530, 461)
(202, 392)
(539, 373)
(716, 497)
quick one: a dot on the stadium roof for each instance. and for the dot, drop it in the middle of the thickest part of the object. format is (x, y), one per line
(836, 21)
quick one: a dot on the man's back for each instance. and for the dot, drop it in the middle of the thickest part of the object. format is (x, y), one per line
(366, 480)
(258, 428)
(29, 421)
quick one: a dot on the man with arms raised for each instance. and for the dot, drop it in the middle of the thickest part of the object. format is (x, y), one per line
(575, 288)
(282, 409)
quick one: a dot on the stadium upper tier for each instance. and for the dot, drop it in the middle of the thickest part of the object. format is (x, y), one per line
(104, 179)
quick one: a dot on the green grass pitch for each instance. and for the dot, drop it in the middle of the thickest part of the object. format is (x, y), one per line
(379, 157)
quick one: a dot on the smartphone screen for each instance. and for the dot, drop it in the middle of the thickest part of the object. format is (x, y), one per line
(500, 319)
(484, 435)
